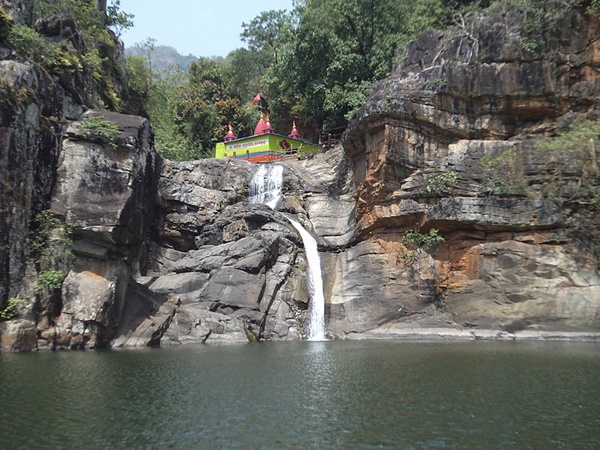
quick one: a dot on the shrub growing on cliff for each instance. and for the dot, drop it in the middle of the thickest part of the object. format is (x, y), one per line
(5, 24)
(50, 279)
(50, 242)
(98, 128)
(51, 247)
(503, 175)
(29, 43)
(95, 59)
(13, 97)
(442, 183)
(573, 165)
(10, 311)
(415, 241)
(421, 240)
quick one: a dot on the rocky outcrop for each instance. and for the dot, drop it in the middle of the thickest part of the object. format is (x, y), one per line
(106, 194)
(230, 268)
(30, 133)
(417, 238)
(37, 104)
(509, 262)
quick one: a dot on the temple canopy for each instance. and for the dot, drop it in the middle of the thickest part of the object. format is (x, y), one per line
(260, 126)
(230, 136)
(294, 133)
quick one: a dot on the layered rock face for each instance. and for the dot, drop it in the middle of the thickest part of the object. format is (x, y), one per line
(105, 196)
(231, 270)
(106, 193)
(508, 263)
(36, 108)
(417, 238)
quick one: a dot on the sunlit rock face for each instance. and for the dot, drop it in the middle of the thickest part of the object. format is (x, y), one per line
(106, 194)
(172, 252)
(509, 264)
(232, 270)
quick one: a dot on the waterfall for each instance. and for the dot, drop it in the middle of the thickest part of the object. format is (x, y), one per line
(265, 188)
(316, 320)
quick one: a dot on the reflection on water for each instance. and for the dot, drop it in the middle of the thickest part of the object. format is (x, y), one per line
(306, 395)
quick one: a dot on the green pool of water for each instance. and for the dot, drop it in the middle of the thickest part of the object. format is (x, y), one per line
(321, 395)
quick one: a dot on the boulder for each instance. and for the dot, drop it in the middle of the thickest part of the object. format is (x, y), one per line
(105, 192)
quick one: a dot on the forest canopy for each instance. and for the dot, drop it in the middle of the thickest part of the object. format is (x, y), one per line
(314, 65)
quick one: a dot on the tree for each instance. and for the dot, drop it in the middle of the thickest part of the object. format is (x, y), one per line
(146, 48)
(205, 105)
(116, 19)
(245, 70)
(139, 84)
(268, 33)
(342, 47)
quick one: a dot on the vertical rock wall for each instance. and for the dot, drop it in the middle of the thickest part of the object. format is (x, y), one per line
(107, 195)
(30, 139)
(35, 110)
(509, 264)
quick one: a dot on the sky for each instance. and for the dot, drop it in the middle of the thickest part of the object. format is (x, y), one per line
(198, 27)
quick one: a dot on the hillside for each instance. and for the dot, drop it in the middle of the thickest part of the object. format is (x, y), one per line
(462, 202)
(162, 58)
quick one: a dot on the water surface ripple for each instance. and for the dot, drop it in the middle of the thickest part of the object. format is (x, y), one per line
(321, 395)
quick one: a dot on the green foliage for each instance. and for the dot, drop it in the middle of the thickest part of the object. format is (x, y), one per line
(442, 183)
(51, 279)
(153, 96)
(13, 96)
(51, 247)
(340, 48)
(540, 16)
(10, 311)
(94, 60)
(117, 19)
(268, 33)
(573, 164)
(246, 70)
(6, 24)
(31, 45)
(436, 85)
(419, 241)
(50, 242)
(503, 174)
(409, 255)
(204, 105)
(139, 84)
(28, 42)
(593, 7)
(98, 128)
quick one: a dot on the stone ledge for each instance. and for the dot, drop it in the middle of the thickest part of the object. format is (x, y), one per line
(453, 334)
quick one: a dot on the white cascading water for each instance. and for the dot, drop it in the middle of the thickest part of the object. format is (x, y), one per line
(316, 320)
(265, 188)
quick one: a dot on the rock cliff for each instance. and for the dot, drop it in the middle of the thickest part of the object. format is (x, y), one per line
(40, 99)
(513, 259)
(440, 216)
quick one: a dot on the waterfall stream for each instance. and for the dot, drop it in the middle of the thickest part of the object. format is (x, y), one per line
(265, 185)
(265, 188)
(316, 321)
